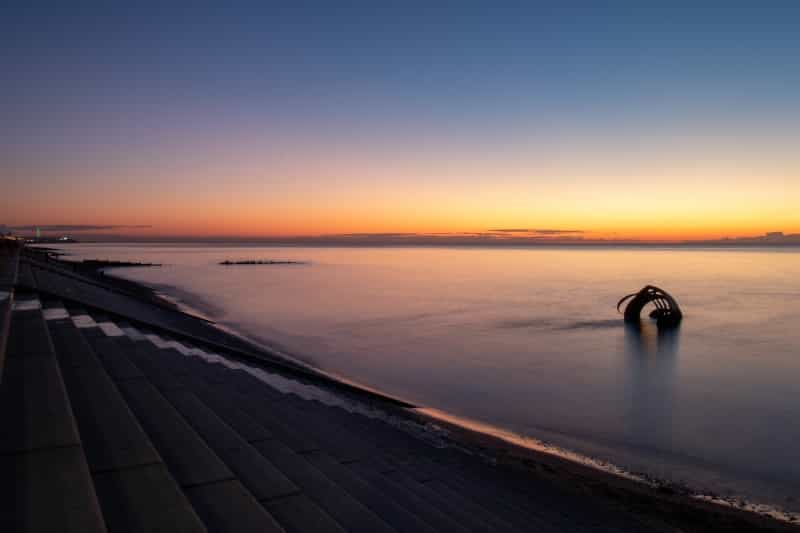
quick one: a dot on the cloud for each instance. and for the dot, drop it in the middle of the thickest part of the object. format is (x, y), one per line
(386, 235)
(78, 227)
(772, 238)
(433, 238)
(538, 231)
(557, 231)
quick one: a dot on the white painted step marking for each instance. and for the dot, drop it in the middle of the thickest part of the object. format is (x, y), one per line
(158, 341)
(27, 305)
(55, 313)
(83, 321)
(133, 333)
(179, 347)
(110, 329)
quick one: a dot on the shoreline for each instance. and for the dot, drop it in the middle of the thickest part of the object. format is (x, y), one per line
(654, 501)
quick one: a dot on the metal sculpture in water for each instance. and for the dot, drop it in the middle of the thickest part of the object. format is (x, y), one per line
(667, 312)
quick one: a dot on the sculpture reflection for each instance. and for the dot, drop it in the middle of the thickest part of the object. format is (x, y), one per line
(652, 357)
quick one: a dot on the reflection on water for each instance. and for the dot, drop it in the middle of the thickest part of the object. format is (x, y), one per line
(529, 340)
(652, 360)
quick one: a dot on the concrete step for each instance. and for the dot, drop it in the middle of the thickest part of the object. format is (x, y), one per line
(379, 455)
(133, 486)
(414, 502)
(513, 509)
(222, 503)
(228, 507)
(227, 408)
(112, 435)
(494, 519)
(322, 433)
(404, 452)
(259, 399)
(460, 506)
(42, 462)
(346, 437)
(382, 461)
(6, 299)
(271, 486)
(9, 258)
(549, 507)
(343, 443)
(336, 439)
(146, 357)
(539, 501)
(117, 364)
(34, 407)
(26, 327)
(299, 514)
(287, 431)
(334, 499)
(187, 456)
(25, 278)
(144, 500)
(263, 478)
(47, 490)
(251, 398)
(450, 503)
(339, 441)
(370, 495)
(385, 436)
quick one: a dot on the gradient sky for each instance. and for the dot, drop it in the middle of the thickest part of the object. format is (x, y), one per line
(626, 121)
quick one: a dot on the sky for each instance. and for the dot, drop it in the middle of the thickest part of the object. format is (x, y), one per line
(626, 120)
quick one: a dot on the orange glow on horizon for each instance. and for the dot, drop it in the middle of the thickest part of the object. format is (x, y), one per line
(253, 191)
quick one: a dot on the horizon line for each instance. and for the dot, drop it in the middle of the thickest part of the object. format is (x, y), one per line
(455, 239)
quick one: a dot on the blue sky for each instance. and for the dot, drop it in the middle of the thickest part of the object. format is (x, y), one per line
(107, 83)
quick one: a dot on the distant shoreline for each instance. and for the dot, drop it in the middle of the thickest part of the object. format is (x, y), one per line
(253, 262)
(586, 245)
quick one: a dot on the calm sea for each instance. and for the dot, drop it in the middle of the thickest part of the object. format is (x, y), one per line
(529, 341)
